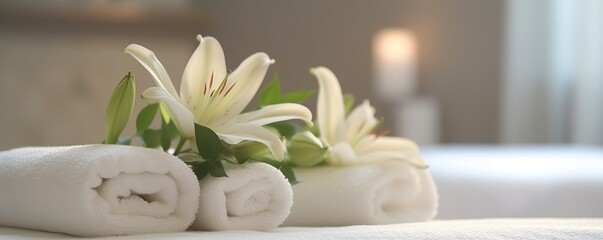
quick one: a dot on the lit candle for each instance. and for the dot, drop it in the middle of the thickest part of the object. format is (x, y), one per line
(394, 62)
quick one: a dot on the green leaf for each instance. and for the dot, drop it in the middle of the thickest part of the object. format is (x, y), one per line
(173, 130)
(146, 116)
(242, 160)
(230, 159)
(200, 169)
(165, 137)
(120, 108)
(274, 163)
(191, 157)
(272, 93)
(151, 138)
(208, 143)
(348, 102)
(216, 169)
(289, 173)
(296, 97)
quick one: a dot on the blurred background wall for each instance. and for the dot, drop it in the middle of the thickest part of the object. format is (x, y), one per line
(60, 60)
(459, 50)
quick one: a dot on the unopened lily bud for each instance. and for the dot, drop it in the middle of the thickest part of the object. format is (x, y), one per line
(251, 150)
(306, 150)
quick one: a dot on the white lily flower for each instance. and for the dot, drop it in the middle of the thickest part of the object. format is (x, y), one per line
(212, 98)
(351, 138)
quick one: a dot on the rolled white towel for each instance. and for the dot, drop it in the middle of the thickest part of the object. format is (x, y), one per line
(379, 193)
(254, 196)
(96, 190)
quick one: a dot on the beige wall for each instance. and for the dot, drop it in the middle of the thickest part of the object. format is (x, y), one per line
(460, 46)
(55, 87)
(55, 81)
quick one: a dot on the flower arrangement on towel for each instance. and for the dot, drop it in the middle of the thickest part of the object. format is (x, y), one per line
(341, 158)
(207, 114)
(350, 174)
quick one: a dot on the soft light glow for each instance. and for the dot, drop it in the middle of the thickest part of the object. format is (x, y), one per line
(394, 58)
(394, 46)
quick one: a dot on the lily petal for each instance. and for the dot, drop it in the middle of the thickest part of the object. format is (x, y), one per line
(248, 77)
(237, 133)
(391, 148)
(181, 116)
(276, 113)
(360, 122)
(342, 154)
(330, 109)
(386, 143)
(206, 62)
(149, 61)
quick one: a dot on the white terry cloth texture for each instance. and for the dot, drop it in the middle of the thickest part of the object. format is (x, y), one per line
(96, 190)
(475, 229)
(254, 196)
(378, 193)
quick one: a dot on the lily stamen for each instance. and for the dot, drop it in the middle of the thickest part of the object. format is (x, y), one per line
(223, 85)
(231, 87)
(211, 80)
(383, 133)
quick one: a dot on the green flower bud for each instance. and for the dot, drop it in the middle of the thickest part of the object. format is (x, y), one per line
(251, 150)
(306, 150)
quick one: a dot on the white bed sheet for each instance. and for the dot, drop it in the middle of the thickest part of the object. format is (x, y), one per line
(517, 181)
(494, 229)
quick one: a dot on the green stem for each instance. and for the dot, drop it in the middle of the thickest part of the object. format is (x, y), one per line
(179, 147)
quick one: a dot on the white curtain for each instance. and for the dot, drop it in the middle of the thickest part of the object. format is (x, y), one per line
(553, 83)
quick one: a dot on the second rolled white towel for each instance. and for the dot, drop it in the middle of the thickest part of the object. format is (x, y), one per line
(380, 193)
(254, 196)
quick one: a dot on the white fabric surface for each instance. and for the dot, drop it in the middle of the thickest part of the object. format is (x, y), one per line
(96, 190)
(254, 196)
(517, 181)
(377, 193)
(491, 229)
